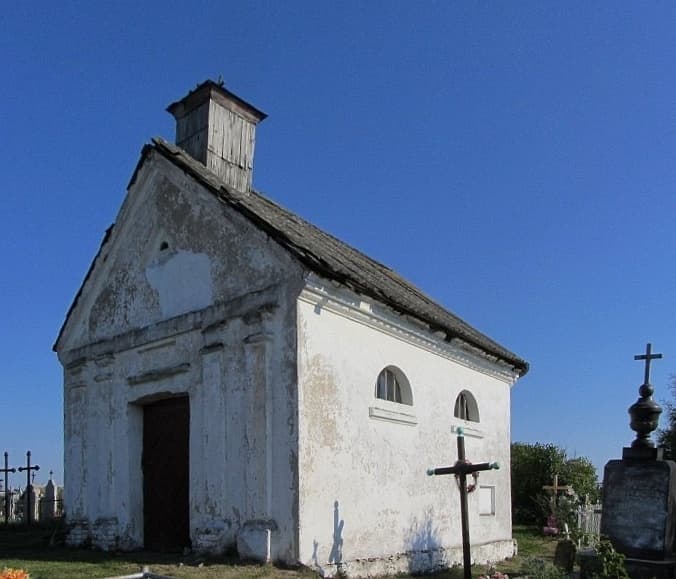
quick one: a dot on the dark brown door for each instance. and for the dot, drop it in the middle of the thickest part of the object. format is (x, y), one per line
(165, 475)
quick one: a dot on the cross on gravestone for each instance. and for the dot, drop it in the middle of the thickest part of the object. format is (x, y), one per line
(28, 468)
(648, 356)
(7, 470)
(644, 413)
(461, 469)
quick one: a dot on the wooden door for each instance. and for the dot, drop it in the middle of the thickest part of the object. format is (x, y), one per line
(166, 520)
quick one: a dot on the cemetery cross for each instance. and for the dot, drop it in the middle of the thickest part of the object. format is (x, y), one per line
(645, 412)
(648, 356)
(461, 469)
(7, 470)
(555, 487)
(28, 468)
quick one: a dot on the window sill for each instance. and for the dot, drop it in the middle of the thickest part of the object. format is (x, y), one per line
(380, 413)
(469, 431)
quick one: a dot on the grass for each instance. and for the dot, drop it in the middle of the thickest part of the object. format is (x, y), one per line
(39, 550)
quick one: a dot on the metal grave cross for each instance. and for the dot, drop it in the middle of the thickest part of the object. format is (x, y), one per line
(7, 470)
(461, 469)
(648, 356)
(28, 468)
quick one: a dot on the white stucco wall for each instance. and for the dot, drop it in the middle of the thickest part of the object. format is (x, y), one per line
(189, 298)
(364, 492)
(291, 455)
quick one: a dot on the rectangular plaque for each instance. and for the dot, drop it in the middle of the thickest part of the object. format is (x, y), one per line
(638, 498)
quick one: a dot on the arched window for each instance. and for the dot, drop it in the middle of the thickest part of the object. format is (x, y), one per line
(392, 385)
(466, 407)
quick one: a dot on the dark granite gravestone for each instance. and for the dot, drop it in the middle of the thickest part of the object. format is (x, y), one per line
(638, 507)
(639, 494)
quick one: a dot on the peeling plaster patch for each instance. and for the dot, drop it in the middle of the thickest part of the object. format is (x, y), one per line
(321, 404)
(183, 283)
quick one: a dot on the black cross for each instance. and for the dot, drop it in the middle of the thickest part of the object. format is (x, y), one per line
(28, 468)
(648, 356)
(7, 470)
(461, 469)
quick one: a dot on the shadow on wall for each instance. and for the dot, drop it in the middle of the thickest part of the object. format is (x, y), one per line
(336, 554)
(423, 545)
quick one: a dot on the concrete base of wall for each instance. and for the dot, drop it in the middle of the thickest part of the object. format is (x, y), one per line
(417, 561)
(102, 533)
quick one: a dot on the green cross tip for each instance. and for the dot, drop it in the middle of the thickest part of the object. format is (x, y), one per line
(460, 431)
(495, 465)
(430, 472)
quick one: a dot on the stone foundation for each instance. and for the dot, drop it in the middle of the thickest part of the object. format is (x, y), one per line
(102, 533)
(415, 562)
(217, 538)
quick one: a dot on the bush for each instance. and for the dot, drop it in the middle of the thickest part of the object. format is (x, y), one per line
(533, 467)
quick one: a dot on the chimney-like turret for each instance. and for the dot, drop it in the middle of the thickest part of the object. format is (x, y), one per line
(218, 129)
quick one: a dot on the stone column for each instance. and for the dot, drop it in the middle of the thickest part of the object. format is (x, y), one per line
(101, 427)
(255, 534)
(76, 377)
(211, 524)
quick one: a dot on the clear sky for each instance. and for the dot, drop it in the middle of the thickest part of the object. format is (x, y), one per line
(515, 160)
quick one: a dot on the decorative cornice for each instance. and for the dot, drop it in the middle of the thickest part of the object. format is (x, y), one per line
(77, 366)
(211, 348)
(469, 431)
(104, 360)
(158, 345)
(206, 320)
(339, 300)
(259, 338)
(158, 374)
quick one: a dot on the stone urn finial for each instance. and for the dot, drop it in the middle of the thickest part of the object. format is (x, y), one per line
(645, 412)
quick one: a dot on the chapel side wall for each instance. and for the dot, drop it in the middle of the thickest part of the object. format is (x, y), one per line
(364, 492)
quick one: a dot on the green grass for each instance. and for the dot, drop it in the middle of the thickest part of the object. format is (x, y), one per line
(40, 551)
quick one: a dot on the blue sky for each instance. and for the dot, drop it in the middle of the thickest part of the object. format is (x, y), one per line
(514, 160)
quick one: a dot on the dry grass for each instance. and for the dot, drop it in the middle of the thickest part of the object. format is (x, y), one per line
(39, 550)
(31, 550)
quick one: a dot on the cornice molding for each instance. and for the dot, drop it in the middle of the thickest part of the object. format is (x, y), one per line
(326, 295)
(158, 374)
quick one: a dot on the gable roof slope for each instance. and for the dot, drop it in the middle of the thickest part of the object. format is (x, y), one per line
(333, 259)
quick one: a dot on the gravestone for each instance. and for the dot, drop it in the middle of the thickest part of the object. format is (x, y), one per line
(48, 501)
(639, 492)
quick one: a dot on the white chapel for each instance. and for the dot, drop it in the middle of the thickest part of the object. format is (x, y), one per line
(236, 378)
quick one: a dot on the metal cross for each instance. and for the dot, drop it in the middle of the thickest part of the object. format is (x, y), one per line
(648, 356)
(28, 468)
(461, 469)
(7, 470)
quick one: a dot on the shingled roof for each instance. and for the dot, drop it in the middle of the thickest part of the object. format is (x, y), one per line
(333, 259)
